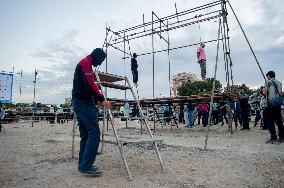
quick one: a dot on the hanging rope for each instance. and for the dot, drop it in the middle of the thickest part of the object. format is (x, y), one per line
(225, 32)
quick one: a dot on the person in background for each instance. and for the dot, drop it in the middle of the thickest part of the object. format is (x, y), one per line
(134, 69)
(195, 114)
(203, 107)
(201, 57)
(185, 115)
(263, 109)
(237, 112)
(257, 113)
(198, 114)
(223, 112)
(273, 90)
(243, 98)
(191, 108)
(181, 114)
(215, 113)
(85, 95)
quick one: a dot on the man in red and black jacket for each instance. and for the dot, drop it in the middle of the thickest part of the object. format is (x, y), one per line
(85, 95)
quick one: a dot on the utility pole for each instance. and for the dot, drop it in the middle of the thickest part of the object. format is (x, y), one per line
(36, 73)
(21, 74)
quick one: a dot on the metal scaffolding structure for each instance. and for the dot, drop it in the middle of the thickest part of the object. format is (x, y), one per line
(216, 10)
(160, 25)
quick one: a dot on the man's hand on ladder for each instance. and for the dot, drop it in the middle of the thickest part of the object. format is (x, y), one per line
(106, 104)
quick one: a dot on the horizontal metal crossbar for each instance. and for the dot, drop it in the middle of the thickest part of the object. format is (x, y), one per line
(173, 16)
(175, 48)
(169, 28)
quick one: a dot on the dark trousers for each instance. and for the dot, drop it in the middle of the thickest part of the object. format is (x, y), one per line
(204, 117)
(181, 117)
(265, 119)
(238, 117)
(245, 117)
(215, 116)
(135, 76)
(202, 63)
(274, 116)
(224, 116)
(257, 117)
(89, 132)
(198, 118)
(0, 125)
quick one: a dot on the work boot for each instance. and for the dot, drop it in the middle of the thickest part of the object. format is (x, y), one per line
(281, 140)
(271, 141)
(91, 172)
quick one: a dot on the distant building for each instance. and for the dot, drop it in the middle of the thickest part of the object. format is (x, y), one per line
(179, 78)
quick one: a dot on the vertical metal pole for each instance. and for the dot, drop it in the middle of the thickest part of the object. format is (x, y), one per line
(213, 89)
(104, 111)
(124, 61)
(124, 55)
(169, 59)
(106, 72)
(153, 55)
(34, 85)
(154, 118)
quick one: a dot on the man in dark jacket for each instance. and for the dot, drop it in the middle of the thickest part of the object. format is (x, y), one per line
(134, 69)
(244, 109)
(85, 95)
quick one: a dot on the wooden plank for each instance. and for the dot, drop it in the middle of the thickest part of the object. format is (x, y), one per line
(106, 77)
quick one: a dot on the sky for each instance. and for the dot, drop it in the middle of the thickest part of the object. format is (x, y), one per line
(52, 36)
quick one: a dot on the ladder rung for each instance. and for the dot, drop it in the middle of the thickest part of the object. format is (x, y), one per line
(132, 141)
(115, 86)
(132, 118)
(106, 77)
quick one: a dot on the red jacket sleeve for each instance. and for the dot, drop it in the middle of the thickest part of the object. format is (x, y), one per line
(88, 72)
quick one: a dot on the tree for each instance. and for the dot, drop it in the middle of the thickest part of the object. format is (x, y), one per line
(199, 87)
(236, 89)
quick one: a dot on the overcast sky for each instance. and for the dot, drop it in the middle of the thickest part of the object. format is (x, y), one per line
(52, 36)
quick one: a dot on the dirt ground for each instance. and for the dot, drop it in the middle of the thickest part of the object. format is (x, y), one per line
(40, 156)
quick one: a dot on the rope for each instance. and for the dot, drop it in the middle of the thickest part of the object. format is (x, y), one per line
(224, 15)
(252, 51)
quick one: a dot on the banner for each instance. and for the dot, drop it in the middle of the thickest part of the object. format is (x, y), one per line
(6, 86)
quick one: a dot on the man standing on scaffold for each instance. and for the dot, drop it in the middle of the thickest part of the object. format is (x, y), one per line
(85, 95)
(134, 67)
(201, 56)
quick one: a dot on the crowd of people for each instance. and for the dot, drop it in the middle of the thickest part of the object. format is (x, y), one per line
(267, 107)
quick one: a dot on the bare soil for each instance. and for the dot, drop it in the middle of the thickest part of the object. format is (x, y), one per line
(40, 156)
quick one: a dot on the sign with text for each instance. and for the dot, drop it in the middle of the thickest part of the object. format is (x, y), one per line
(6, 87)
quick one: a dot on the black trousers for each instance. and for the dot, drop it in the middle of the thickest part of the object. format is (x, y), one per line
(245, 117)
(274, 117)
(215, 116)
(135, 76)
(0, 124)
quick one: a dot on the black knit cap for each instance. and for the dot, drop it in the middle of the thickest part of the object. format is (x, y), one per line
(98, 56)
